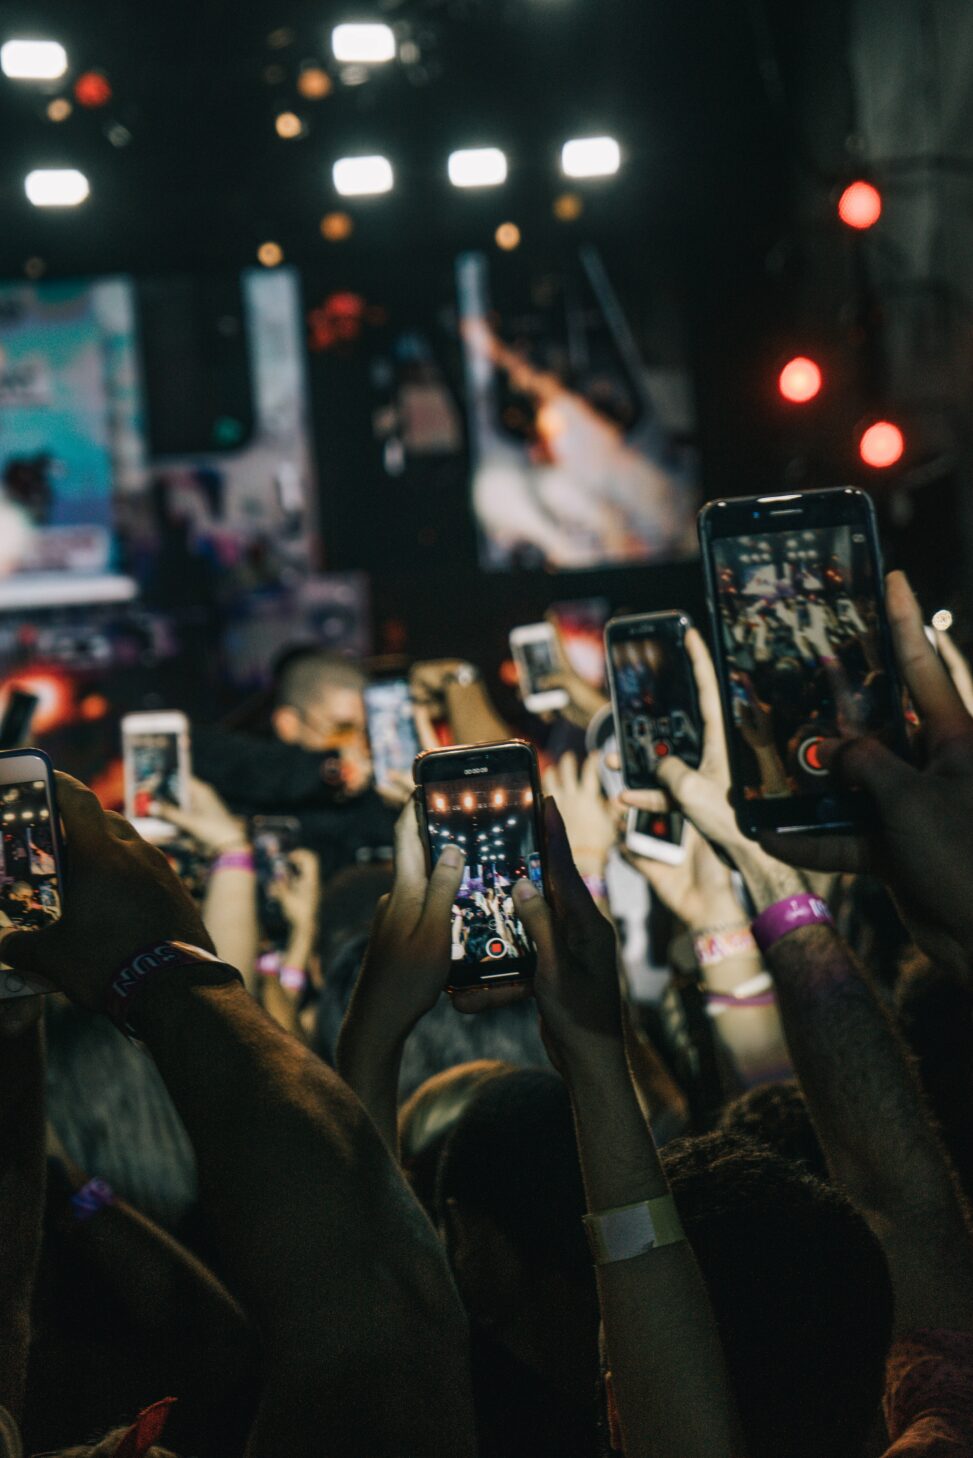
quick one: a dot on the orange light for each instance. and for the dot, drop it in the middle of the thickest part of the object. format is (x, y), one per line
(54, 698)
(439, 802)
(499, 799)
(860, 205)
(507, 237)
(288, 124)
(314, 83)
(336, 227)
(528, 797)
(270, 254)
(468, 801)
(59, 109)
(881, 445)
(799, 380)
(92, 89)
(94, 706)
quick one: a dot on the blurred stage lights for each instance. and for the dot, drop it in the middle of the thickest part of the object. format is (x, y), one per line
(56, 187)
(800, 380)
(881, 445)
(314, 83)
(362, 176)
(288, 124)
(369, 45)
(942, 620)
(59, 109)
(507, 237)
(477, 167)
(270, 254)
(33, 60)
(92, 90)
(591, 157)
(336, 227)
(860, 205)
(568, 207)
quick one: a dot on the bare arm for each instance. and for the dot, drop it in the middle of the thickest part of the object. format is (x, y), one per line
(230, 917)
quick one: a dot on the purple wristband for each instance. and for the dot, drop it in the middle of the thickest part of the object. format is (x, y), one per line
(91, 1198)
(786, 916)
(132, 977)
(238, 860)
(293, 979)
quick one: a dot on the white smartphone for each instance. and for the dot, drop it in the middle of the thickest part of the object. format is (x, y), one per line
(534, 649)
(656, 834)
(31, 859)
(392, 731)
(155, 750)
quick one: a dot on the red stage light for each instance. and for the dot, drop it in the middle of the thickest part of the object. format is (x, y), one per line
(860, 205)
(92, 89)
(799, 380)
(881, 445)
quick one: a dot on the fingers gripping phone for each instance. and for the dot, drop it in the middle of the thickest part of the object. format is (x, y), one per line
(534, 649)
(31, 855)
(155, 754)
(485, 798)
(803, 651)
(653, 694)
(391, 728)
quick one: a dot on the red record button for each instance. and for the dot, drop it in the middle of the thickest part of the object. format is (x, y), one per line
(809, 756)
(661, 749)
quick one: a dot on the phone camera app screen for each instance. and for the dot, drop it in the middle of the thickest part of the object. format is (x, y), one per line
(538, 662)
(656, 704)
(391, 730)
(29, 892)
(801, 634)
(155, 771)
(491, 819)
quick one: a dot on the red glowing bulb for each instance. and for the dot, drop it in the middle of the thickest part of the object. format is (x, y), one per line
(92, 89)
(881, 445)
(860, 205)
(799, 380)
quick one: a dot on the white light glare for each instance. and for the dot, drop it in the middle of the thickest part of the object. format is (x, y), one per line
(369, 45)
(478, 167)
(56, 187)
(33, 60)
(590, 157)
(358, 176)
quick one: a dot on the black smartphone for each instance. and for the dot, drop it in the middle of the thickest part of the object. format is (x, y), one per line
(17, 718)
(485, 798)
(31, 854)
(392, 730)
(803, 650)
(274, 838)
(653, 694)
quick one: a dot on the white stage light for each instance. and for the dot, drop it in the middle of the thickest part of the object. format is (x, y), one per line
(477, 167)
(358, 176)
(56, 187)
(33, 60)
(367, 45)
(590, 157)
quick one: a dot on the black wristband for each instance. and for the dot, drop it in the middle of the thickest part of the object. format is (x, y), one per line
(128, 982)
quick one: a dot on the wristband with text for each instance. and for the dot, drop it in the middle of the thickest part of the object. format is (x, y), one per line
(789, 915)
(631, 1230)
(234, 860)
(131, 978)
(96, 1195)
(717, 945)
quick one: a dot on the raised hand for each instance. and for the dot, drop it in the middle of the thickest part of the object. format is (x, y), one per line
(207, 820)
(587, 818)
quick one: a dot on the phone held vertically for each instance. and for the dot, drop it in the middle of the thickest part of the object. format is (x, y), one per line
(274, 839)
(653, 694)
(534, 649)
(155, 752)
(392, 732)
(486, 799)
(31, 854)
(803, 651)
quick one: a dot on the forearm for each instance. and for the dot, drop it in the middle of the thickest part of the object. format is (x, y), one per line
(280, 1002)
(369, 1062)
(230, 916)
(472, 717)
(22, 1162)
(773, 780)
(668, 1371)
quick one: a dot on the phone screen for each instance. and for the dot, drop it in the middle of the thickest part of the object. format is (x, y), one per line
(662, 825)
(391, 729)
(155, 770)
(655, 696)
(799, 612)
(274, 839)
(538, 659)
(30, 890)
(492, 817)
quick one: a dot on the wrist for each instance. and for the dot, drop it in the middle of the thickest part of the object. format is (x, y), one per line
(149, 972)
(767, 880)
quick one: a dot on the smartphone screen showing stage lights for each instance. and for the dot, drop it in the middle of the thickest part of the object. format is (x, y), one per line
(30, 871)
(391, 729)
(654, 694)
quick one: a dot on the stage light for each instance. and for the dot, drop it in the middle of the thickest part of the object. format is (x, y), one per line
(56, 187)
(92, 90)
(59, 109)
(33, 60)
(568, 207)
(943, 620)
(288, 124)
(270, 254)
(362, 176)
(369, 45)
(468, 801)
(336, 227)
(799, 380)
(499, 800)
(528, 797)
(314, 83)
(881, 445)
(860, 205)
(440, 804)
(477, 167)
(507, 237)
(591, 157)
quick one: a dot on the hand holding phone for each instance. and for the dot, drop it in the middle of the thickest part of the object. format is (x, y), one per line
(155, 753)
(31, 857)
(653, 694)
(535, 653)
(392, 731)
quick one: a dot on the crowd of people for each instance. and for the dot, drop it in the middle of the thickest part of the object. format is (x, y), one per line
(301, 1200)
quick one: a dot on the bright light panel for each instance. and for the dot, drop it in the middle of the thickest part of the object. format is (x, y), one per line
(368, 45)
(590, 157)
(55, 187)
(33, 60)
(478, 167)
(358, 176)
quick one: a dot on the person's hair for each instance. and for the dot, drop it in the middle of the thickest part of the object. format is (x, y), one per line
(428, 1117)
(303, 674)
(776, 1115)
(800, 1290)
(512, 1155)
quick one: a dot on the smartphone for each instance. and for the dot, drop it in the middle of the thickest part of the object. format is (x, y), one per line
(31, 854)
(391, 728)
(813, 677)
(155, 754)
(656, 834)
(534, 648)
(274, 839)
(581, 625)
(485, 798)
(653, 694)
(17, 718)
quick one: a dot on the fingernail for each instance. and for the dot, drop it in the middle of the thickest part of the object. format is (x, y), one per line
(452, 856)
(524, 891)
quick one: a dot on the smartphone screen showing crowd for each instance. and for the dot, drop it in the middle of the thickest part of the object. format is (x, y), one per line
(653, 694)
(30, 853)
(534, 648)
(155, 749)
(656, 834)
(803, 651)
(274, 839)
(391, 729)
(487, 800)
